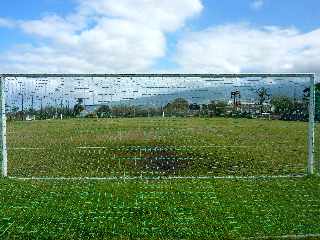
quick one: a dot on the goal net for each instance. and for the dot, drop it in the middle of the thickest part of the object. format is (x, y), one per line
(158, 125)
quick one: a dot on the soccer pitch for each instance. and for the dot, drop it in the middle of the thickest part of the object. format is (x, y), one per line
(59, 207)
(153, 147)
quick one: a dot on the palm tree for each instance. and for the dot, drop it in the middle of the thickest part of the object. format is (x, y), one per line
(263, 96)
(236, 98)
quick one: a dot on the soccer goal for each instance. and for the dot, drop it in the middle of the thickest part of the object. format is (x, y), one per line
(158, 125)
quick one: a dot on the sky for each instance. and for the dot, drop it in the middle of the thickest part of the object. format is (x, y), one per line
(168, 36)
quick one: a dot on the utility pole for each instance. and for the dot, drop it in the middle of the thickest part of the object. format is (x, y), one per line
(55, 102)
(32, 102)
(61, 109)
(22, 106)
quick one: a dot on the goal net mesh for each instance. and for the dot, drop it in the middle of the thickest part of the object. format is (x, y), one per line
(156, 126)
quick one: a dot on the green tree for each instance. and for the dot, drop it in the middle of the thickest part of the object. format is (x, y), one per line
(217, 108)
(263, 96)
(194, 107)
(15, 109)
(282, 105)
(78, 107)
(103, 111)
(177, 106)
(306, 97)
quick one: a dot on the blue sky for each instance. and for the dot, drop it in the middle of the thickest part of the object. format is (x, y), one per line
(283, 31)
(301, 14)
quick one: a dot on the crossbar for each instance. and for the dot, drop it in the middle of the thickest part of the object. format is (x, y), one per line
(217, 75)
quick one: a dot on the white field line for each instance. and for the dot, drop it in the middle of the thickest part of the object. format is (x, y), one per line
(93, 147)
(141, 148)
(287, 236)
(26, 148)
(208, 146)
(158, 178)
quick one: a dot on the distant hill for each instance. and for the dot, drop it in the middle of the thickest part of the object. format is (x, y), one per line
(222, 93)
(156, 94)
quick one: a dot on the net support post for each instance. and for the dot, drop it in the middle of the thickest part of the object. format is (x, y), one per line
(3, 127)
(311, 128)
(317, 81)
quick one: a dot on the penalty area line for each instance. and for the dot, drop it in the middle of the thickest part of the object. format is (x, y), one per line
(26, 148)
(159, 178)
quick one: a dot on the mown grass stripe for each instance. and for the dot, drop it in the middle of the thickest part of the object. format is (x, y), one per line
(302, 236)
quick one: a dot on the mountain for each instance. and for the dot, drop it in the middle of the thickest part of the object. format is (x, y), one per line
(220, 93)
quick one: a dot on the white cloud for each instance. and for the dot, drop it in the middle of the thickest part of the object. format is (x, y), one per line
(257, 4)
(166, 15)
(243, 48)
(101, 36)
(52, 27)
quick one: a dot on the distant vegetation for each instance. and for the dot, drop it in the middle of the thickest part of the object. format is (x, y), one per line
(275, 107)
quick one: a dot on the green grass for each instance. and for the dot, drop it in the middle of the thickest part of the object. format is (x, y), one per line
(158, 209)
(156, 146)
(197, 209)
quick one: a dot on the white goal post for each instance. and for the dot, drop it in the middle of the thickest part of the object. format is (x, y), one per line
(3, 124)
(311, 127)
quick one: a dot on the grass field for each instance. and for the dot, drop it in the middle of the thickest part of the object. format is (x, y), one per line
(266, 208)
(156, 147)
(179, 209)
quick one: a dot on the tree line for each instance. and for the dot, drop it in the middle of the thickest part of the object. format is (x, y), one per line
(282, 107)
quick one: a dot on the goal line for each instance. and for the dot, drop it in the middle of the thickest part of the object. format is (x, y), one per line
(124, 178)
